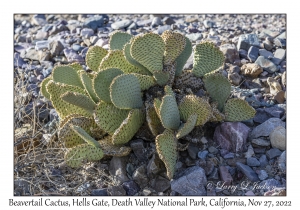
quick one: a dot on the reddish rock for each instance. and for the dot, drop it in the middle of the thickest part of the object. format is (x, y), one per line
(232, 136)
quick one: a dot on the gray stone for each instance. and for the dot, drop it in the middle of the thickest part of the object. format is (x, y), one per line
(101, 42)
(56, 47)
(273, 153)
(194, 36)
(193, 150)
(161, 29)
(280, 42)
(191, 181)
(121, 24)
(269, 184)
(225, 175)
(117, 168)
(278, 138)
(160, 184)
(131, 188)
(58, 28)
(282, 162)
(77, 47)
(229, 155)
(253, 53)
(73, 24)
(156, 21)
(263, 161)
(266, 53)
(263, 114)
(116, 190)
(234, 78)
(202, 154)
(213, 150)
(132, 26)
(143, 23)
(279, 55)
(232, 136)
(99, 192)
(208, 166)
(266, 64)
(93, 22)
(208, 23)
(262, 174)
(53, 115)
(18, 61)
(140, 176)
(39, 20)
(253, 162)
(86, 32)
(168, 21)
(230, 52)
(214, 175)
(268, 45)
(139, 149)
(266, 128)
(154, 166)
(32, 54)
(247, 40)
(40, 35)
(243, 53)
(72, 56)
(248, 172)
(261, 142)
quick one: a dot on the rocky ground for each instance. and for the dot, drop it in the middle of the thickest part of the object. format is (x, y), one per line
(240, 158)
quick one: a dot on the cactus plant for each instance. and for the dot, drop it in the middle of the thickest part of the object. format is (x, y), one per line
(140, 80)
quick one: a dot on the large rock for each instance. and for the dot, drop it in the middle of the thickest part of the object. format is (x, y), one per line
(278, 138)
(232, 136)
(93, 22)
(121, 24)
(230, 52)
(263, 114)
(247, 40)
(266, 64)
(266, 128)
(191, 181)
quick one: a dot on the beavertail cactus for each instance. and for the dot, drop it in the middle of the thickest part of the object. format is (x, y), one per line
(140, 81)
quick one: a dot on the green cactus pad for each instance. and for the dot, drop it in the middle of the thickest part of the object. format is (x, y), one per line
(161, 77)
(238, 110)
(66, 75)
(216, 116)
(113, 150)
(130, 59)
(76, 66)
(88, 85)
(218, 88)
(76, 156)
(125, 92)
(192, 104)
(166, 145)
(207, 58)
(183, 57)
(129, 127)
(116, 59)
(109, 117)
(145, 81)
(62, 107)
(43, 87)
(187, 127)
(118, 39)
(169, 113)
(153, 120)
(102, 82)
(68, 135)
(168, 91)
(174, 46)
(94, 56)
(80, 100)
(85, 136)
(148, 50)
(157, 104)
